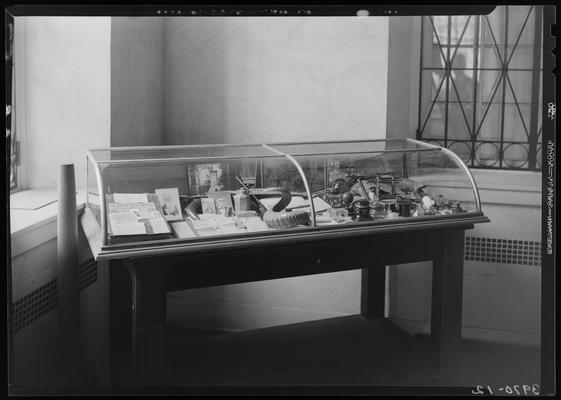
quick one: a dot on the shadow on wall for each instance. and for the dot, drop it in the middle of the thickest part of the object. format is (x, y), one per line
(195, 81)
(256, 80)
(137, 81)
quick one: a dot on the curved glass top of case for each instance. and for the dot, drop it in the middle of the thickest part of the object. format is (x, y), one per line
(201, 194)
(348, 147)
(160, 153)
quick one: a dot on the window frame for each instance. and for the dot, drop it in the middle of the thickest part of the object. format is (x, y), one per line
(18, 104)
(448, 51)
(11, 140)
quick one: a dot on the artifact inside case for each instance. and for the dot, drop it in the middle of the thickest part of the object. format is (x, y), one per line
(190, 192)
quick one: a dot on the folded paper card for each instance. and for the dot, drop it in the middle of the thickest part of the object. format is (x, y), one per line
(135, 214)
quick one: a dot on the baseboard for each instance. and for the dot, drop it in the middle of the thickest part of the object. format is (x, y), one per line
(192, 313)
(474, 333)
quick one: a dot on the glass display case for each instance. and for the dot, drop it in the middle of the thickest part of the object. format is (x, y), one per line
(156, 197)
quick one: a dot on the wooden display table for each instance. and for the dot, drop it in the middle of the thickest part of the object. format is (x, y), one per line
(155, 270)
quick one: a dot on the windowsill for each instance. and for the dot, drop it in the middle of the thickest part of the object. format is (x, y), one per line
(32, 227)
(510, 178)
(521, 188)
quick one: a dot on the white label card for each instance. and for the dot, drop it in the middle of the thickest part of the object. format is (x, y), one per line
(132, 207)
(122, 218)
(130, 198)
(159, 225)
(126, 224)
(149, 215)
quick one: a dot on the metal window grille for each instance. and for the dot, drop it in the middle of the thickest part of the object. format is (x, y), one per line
(480, 86)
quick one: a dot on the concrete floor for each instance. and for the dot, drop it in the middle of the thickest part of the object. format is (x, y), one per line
(328, 354)
(347, 355)
(497, 364)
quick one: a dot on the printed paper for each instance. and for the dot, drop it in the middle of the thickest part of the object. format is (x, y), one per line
(130, 198)
(159, 225)
(126, 224)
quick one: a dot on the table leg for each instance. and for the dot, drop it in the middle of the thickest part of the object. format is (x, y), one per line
(148, 323)
(373, 292)
(118, 287)
(446, 313)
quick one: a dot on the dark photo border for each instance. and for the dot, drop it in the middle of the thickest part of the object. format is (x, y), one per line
(549, 173)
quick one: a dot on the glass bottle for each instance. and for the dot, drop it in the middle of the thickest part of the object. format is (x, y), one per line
(242, 201)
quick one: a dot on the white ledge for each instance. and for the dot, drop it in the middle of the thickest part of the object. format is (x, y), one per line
(30, 228)
(519, 188)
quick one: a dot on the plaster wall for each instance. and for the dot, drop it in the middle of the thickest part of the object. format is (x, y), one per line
(65, 94)
(403, 76)
(246, 80)
(137, 81)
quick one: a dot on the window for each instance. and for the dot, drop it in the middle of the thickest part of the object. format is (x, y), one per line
(10, 132)
(480, 86)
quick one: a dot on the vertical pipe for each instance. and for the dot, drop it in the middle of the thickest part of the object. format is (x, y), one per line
(68, 278)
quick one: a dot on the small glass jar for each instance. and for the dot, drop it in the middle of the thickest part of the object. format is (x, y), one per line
(334, 198)
(378, 210)
(372, 195)
(362, 208)
(242, 201)
(338, 214)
